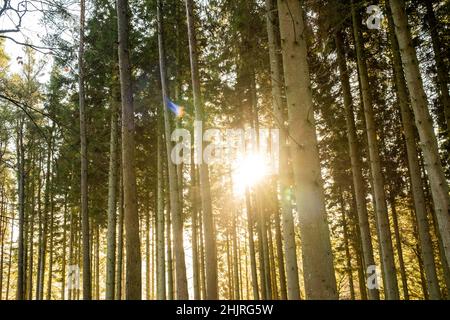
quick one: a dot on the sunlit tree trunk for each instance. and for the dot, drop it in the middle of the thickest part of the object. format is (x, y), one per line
(414, 168)
(251, 244)
(424, 124)
(293, 289)
(205, 192)
(320, 282)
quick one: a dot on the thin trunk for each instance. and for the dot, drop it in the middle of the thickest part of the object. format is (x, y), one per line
(382, 218)
(112, 201)
(87, 289)
(251, 244)
(120, 248)
(195, 210)
(205, 192)
(398, 242)
(175, 206)
(355, 157)
(20, 294)
(160, 225)
(131, 218)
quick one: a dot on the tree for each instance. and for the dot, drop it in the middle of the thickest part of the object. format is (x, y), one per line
(429, 146)
(131, 218)
(318, 269)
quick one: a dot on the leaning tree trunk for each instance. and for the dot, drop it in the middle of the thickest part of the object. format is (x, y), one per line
(293, 289)
(418, 196)
(205, 192)
(87, 290)
(384, 233)
(131, 218)
(320, 281)
(175, 206)
(438, 182)
(355, 159)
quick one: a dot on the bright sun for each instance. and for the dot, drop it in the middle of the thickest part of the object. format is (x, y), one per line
(248, 171)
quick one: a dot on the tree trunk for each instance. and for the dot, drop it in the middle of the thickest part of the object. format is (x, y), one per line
(355, 157)
(320, 281)
(180, 264)
(87, 289)
(384, 234)
(205, 192)
(251, 245)
(120, 237)
(112, 200)
(293, 289)
(131, 218)
(418, 196)
(438, 182)
(20, 294)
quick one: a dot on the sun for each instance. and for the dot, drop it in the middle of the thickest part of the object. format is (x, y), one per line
(248, 172)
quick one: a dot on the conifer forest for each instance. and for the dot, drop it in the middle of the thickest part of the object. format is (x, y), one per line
(224, 150)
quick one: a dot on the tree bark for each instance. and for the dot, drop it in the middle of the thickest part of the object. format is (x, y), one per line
(131, 218)
(175, 206)
(87, 287)
(355, 158)
(205, 192)
(384, 234)
(293, 289)
(418, 196)
(438, 182)
(320, 281)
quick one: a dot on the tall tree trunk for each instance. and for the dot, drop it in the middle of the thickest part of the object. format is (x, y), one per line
(160, 225)
(20, 294)
(414, 168)
(355, 158)
(195, 199)
(175, 206)
(384, 234)
(251, 245)
(112, 200)
(348, 258)
(87, 289)
(120, 237)
(293, 289)
(131, 218)
(438, 182)
(320, 281)
(205, 192)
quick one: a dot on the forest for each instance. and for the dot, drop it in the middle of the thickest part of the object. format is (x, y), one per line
(224, 150)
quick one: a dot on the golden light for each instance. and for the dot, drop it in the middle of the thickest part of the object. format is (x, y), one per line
(248, 172)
